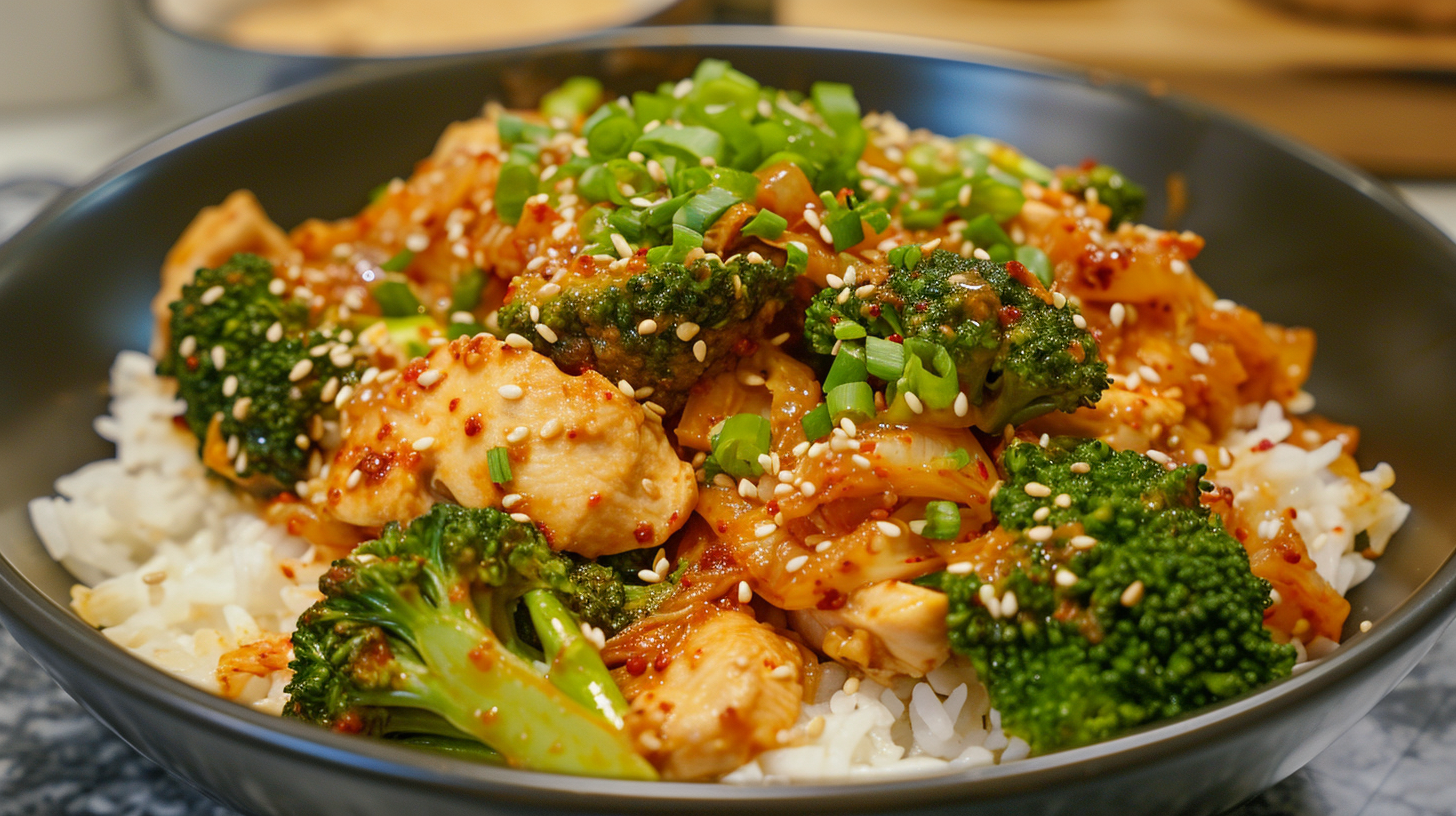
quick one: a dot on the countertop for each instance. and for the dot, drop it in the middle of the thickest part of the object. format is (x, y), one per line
(56, 759)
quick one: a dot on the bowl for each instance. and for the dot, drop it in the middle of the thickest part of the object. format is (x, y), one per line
(1300, 237)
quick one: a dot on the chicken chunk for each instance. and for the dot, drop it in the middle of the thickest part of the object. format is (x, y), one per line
(718, 698)
(890, 627)
(236, 225)
(590, 466)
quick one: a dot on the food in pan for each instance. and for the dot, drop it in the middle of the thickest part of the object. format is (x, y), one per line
(718, 432)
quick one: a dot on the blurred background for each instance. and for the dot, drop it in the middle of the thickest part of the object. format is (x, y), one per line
(84, 81)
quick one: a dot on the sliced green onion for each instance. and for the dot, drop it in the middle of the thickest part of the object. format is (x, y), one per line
(1035, 260)
(958, 458)
(845, 228)
(874, 214)
(649, 107)
(684, 241)
(817, 423)
(767, 224)
(930, 374)
(942, 521)
(395, 299)
(689, 142)
(628, 222)
(906, 257)
(1001, 253)
(455, 330)
(703, 209)
(612, 138)
(574, 98)
(740, 440)
(498, 460)
(848, 366)
(412, 333)
(884, 359)
(378, 193)
(517, 182)
(1000, 200)
(465, 294)
(848, 330)
(836, 103)
(400, 262)
(798, 259)
(855, 400)
(984, 232)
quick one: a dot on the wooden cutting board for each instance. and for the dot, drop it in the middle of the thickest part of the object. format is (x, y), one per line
(1382, 98)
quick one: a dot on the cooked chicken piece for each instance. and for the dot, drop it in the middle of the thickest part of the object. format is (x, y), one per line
(718, 698)
(886, 628)
(589, 465)
(236, 225)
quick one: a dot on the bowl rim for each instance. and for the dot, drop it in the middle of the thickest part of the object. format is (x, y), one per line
(1427, 609)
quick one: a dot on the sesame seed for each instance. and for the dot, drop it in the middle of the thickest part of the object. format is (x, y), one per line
(1366, 626)
(764, 530)
(429, 378)
(745, 592)
(1081, 467)
(801, 449)
(650, 488)
(1117, 314)
(1079, 321)
(1037, 490)
(860, 461)
(963, 196)
(300, 370)
(1040, 532)
(518, 434)
(187, 346)
(516, 341)
(981, 254)
(916, 406)
(987, 594)
(219, 357)
(424, 443)
(962, 404)
(275, 332)
(812, 219)
(1083, 542)
(546, 333)
(344, 394)
(1224, 305)
(1041, 514)
(1132, 594)
(1160, 457)
(648, 326)
(242, 462)
(1062, 500)
(865, 291)
(624, 249)
(330, 390)
(834, 281)
(807, 488)
(849, 427)
(321, 349)
(1066, 578)
(796, 563)
(548, 289)
(1225, 458)
(1059, 300)
(823, 545)
(782, 672)
(747, 489)
(276, 286)
(627, 389)
(750, 379)
(511, 391)
(521, 517)
(1199, 352)
(353, 480)
(232, 447)
(550, 428)
(1149, 374)
(230, 386)
(889, 529)
(851, 685)
(648, 576)
(241, 408)
(959, 568)
(303, 442)
(212, 295)
(700, 351)
(1009, 605)
(510, 500)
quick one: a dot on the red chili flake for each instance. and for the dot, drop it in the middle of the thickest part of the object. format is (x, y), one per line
(413, 371)
(1009, 315)
(384, 431)
(193, 362)
(1088, 165)
(594, 499)
(376, 466)
(879, 514)
(180, 421)
(981, 469)
(662, 662)
(895, 338)
(607, 395)
(833, 319)
(1290, 556)
(921, 306)
(472, 425)
(1293, 513)
(349, 723)
(482, 657)
(636, 665)
(745, 347)
(454, 403)
(868, 447)
(643, 532)
(335, 496)
(772, 506)
(1264, 444)
(874, 310)
(833, 599)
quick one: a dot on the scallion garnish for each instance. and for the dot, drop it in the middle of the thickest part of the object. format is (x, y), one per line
(738, 443)
(703, 209)
(395, 299)
(572, 98)
(845, 228)
(767, 224)
(798, 257)
(465, 294)
(849, 331)
(883, 358)
(517, 182)
(957, 458)
(942, 521)
(817, 423)
(498, 461)
(848, 366)
(855, 400)
(400, 262)
(1036, 261)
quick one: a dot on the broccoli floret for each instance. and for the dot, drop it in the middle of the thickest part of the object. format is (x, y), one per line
(238, 352)
(1158, 617)
(597, 322)
(1123, 196)
(417, 639)
(1017, 355)
(610, 595)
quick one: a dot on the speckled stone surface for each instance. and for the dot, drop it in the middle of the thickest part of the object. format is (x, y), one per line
(55, 759)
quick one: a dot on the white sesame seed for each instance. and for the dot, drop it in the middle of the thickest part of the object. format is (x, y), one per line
(330, 390)
(518, 434)
(860, 461)
(916, 406)
(1149, 374)
(345, 394)
(219, 357)
(648, 576)
(1059, 300)
(241, 464)
(232, 447)
(321, 349)
(353, 480)
(1117, 314)
(277, 286)
(751, 379)
(1083, 542)
(981, 254)
(303, 443)
(834, 281)
(627, 389)
(521, 517)
(962, 404)
(782, 672)
(650, 488)
(807, 488)
(796, 563)
(889, 529)
(700, 351)
(648, 326)
(546, 333)
(300, 370)
(510, 500)
(1062, 500)
(849, 427)
(1224, 305)
(987, 594)
(764, 530)
(624, 249)
(1159, 457)
(1037, 490)
(429, 378)
(687, 330)
(1009, 604)
(275, 332)
(812, 219)
(1041, 514)
(745, 592)
(510, 391)
(241, 408)
(1132, 594)
(550, 428)
(1199, 352)
(516, 341)
(548, 289)
(1366, 626)
(212, 295)
(230, 386)
(1066, 578)
(1080, 467)
(747, 489)
(959, 568)
(1040, 533)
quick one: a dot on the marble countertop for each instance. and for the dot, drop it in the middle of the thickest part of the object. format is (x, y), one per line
(56, 759)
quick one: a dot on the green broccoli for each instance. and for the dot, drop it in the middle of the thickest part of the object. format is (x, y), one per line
(1016, 356)
(417, 639)
(248, 360)
(1137, 607)
(1124, 197)
(611, 596)
(698, 314)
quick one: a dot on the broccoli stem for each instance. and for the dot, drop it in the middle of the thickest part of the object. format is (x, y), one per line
(576, 668)
(461, 747)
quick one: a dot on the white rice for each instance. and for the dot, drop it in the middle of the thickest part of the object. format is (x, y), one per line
(182, 570)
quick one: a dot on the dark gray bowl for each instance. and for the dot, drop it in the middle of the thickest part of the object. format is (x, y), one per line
(1300, 237)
